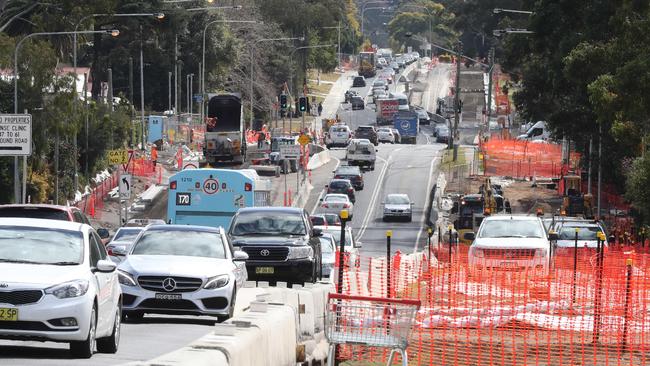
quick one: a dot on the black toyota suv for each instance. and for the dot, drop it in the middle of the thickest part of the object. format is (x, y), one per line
(367, 132)
(281, 244)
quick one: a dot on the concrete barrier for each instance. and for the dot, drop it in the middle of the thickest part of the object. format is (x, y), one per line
(273, 170)
(318, 160)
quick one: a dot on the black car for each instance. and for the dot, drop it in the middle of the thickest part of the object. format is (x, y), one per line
(358, 82)
(351, 173)
(441, 133)
(281, 244)
(343, 186)
(357, 103)
(349, 94)
(367, 132)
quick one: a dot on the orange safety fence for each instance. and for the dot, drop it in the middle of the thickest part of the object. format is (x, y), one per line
(489, 308)
(520, 159)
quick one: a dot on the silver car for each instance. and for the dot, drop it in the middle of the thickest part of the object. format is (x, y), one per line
(328, 250)
(182, 269)
(398, 205)
(335, 203)
(121, 242)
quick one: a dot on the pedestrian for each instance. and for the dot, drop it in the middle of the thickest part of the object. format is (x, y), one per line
(320, 108)
(154, 156)
(260, 139)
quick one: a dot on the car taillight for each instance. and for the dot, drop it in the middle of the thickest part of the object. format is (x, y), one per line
(248, 187)
(172, 184)
(325, 205)
(350, 190)
(345, 205)
(109, 250)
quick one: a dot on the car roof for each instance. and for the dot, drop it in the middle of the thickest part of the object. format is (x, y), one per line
(271, 209)
(340, 180)
(42, 223)
(38, 205)
(397, 195)
(182, 228)
(501, 217)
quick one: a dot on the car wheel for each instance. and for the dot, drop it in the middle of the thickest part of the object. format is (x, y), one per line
(86, 348)
(111, 343)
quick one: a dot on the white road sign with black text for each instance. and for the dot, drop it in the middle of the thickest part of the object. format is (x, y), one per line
(15, 134)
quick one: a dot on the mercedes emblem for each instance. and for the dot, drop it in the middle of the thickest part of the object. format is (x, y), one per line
(169, 284)
(265, 252)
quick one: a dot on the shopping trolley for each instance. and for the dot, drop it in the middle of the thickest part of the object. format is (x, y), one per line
(369, 321)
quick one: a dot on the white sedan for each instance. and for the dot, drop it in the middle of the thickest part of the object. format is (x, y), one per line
(58, 285)
(334, 203)
(385, 134)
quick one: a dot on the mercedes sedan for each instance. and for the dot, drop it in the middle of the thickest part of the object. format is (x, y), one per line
(181, 269)
(57, 284)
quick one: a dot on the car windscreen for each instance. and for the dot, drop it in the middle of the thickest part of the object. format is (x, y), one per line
(584, 233)
(326, 244)
(332, 219)
(318, 221)
(127, 234)
(336, 234)
(35, 213)
(268, 223)
(180, 243)
(397, 200)
(339, 184)
(40, 245)
(339, 129)
(511, 229)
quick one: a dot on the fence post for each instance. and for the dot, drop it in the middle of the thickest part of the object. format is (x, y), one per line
(389, 234)
(628, 295)
(450, 227)
(575, 267)
(599, 285)
(339, 285)
(429, 234)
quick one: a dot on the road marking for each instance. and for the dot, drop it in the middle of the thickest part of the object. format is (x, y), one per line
(322, 192)
(426, 201)
(375, 194)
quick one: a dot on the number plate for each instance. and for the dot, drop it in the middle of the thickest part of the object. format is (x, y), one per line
(264, 270)
(8, 314)
(508, 264)
(169, 296)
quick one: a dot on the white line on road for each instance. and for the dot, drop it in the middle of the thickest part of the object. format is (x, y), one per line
(426, 201)
(375, 194)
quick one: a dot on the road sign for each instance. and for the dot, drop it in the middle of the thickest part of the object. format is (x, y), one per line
(304, 140)
(125, 186)
(15, 134)
(118, 157)
(289, 151)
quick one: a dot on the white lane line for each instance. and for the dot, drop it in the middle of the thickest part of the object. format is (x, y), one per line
(322, 192)
(428, 196)
(375, 194)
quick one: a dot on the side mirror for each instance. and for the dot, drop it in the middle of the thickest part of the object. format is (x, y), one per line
(469, 236)
(103, 233)
(553, 236)
(358, 244)
(118, 251)
(106, 266)
(317, 232)
(239, 255)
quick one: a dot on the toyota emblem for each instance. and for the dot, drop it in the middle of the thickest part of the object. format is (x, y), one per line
(265, 252)
(169, 284)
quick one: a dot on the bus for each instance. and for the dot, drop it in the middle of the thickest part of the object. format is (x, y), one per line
(367, 64)
(211, 197)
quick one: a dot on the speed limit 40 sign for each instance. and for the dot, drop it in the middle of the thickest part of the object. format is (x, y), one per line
(211, 186)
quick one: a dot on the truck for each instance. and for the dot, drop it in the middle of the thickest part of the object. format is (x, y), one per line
(386, 108)
(408, 125)
(211, 197)
(367, 66)
(224, 130)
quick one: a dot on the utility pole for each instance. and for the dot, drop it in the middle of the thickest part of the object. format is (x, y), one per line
(489, 97)
(131, 80)
(176, 66)
(600, 165)
(339, 41)
(454, 133)
(110, 104)
(85, 90)
(142, 89)
(590, 157)
(169, 90)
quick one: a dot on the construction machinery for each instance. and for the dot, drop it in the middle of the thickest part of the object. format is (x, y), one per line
(574, 202)
(472, 209)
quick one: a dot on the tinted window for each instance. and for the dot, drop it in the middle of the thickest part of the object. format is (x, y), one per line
(35, 213)
(584, 233)
(102, 250)
(339, 184)
(318, 220)
(326, 245)
(95, 254)
(78, 217)
(40, 245)
(397, 200)
(127, 234)
(181, 243)
(265, 223)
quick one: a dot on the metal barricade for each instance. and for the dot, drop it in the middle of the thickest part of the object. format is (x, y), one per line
(371, 322)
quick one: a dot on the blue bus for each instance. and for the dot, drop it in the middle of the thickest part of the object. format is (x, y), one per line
(211, 197)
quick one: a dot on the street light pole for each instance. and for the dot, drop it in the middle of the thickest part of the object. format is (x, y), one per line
(456, 101)
(17, 195)
(142, 90)
(253, 65)
(205, 29)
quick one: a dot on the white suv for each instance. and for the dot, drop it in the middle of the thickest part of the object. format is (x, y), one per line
(338, 135)
(510, 243)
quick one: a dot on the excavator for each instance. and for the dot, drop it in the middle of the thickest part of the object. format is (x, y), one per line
(472, 208)
(574, 202)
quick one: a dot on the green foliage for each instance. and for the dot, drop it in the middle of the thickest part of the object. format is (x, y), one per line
(429, 19)
(638, 181)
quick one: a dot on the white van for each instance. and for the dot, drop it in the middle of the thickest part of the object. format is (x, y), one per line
(338, 135)
(402, 99)
(539, 131)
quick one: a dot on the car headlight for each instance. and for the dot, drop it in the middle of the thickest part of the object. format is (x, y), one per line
(541, 252)
(70, 289)
(300, 252)
(125, 278)
(478, 253)
(217, 282)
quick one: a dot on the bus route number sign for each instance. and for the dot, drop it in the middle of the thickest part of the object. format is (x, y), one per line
(211, 186)
(183, 199)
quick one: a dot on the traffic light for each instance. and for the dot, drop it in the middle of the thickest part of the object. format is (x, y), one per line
(302, 104)
(283, 101)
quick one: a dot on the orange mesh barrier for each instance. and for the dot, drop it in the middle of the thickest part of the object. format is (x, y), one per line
(511, 307)
(518, 158)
